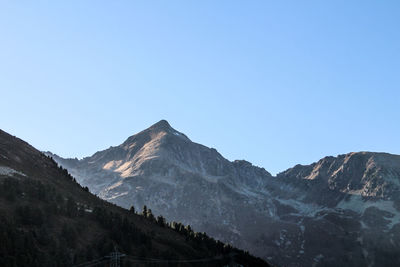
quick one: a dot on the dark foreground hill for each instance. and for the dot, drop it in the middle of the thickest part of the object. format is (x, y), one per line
(47, 219)
(339, 211)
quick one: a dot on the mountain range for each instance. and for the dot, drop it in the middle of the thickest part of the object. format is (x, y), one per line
(48, 219)
(342, 210)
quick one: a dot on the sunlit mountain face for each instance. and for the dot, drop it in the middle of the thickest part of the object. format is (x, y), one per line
(342, 210)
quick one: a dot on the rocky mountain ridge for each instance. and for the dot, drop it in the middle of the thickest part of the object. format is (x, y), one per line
(339, 210)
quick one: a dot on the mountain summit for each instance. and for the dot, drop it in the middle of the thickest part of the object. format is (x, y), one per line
(156, 133)
(328, 213)
(162, 125)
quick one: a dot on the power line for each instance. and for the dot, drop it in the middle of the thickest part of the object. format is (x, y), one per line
(91, 263)
(115, 259)
(137, 259)
(94, 264)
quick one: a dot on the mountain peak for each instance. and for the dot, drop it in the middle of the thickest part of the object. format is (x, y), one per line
(153, 132)
(161, 125)
(164, 126)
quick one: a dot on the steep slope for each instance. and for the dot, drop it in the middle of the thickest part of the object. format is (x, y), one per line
(340, 210)
(47, 219)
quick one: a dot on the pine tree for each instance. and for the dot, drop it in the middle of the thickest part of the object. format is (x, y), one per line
(144, 212)
(150, 215)
(161, 220)
(132, 209)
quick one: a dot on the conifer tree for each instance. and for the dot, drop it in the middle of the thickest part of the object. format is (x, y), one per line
(132, 209)
(150, 215)
(144, 212)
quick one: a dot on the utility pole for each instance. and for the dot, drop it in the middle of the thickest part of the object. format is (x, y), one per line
(115, 258)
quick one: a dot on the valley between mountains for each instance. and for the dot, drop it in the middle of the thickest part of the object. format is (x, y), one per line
(342, 210)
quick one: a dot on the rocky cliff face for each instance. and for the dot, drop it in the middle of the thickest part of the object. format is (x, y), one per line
(340, 210)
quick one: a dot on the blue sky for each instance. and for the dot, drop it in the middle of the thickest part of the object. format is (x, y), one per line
(274, 82)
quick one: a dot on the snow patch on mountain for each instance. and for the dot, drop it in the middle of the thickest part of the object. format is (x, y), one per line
(7, 171)
(357, 204)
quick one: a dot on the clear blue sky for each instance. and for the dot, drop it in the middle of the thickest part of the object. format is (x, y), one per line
(274, 82)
